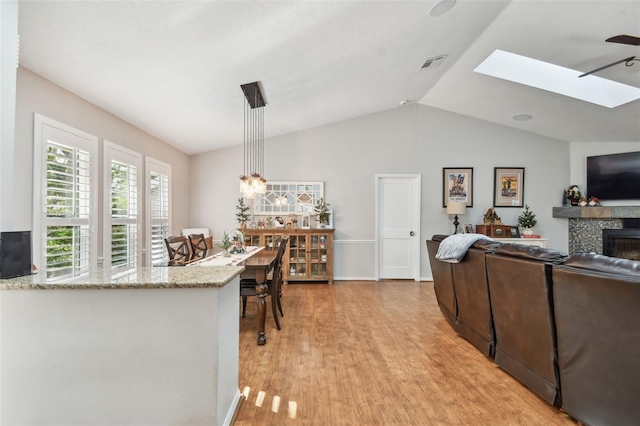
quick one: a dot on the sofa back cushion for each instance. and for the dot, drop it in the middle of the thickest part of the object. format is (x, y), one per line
(532, 253)
(472, 297)
(520, 292)
(600, 263)
(597, 317)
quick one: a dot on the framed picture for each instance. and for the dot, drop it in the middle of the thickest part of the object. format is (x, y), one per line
(508, 187)
(305, 221)
(468, 228)
(515, 232)
(457, 185)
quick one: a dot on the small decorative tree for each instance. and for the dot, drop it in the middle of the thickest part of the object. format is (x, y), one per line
(322, 211)
(241, 215)
(225, 244)
(527, 219)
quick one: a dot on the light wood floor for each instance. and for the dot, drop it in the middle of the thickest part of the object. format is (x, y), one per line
(367, 353)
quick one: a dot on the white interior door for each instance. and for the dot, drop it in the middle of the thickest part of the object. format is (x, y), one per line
(398, 226)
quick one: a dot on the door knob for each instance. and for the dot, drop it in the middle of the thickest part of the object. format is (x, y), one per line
(412, 233)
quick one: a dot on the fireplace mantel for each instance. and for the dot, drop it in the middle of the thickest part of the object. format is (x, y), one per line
(601, 212)
(585, 224)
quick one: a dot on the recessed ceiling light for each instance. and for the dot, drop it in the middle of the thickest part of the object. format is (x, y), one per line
(522, 117)
(442, 7)
(404, 102)
(557, 79)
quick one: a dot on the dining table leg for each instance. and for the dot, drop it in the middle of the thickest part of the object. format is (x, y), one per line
(261, 292)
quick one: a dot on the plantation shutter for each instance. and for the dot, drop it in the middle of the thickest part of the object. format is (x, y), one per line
(159, 223)
(64, 200)
(121, 239)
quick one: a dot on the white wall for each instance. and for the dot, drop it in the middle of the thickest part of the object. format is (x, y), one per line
(579, 153)
(8, 62)
(36, 94)
(410, 139)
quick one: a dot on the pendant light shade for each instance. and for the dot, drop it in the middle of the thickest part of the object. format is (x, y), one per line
(252, 181)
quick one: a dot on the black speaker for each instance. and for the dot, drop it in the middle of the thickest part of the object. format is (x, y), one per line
(15, 254)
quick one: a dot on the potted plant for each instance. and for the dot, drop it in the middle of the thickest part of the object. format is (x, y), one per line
(527, 220)
(225, 244)
(322, 212)
(241, 215)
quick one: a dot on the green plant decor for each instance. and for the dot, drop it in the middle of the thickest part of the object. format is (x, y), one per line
(226, 243)
(527, 219)
(322, 211)
(241, 215)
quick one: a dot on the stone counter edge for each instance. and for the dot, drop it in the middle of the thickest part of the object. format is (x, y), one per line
(141, 278)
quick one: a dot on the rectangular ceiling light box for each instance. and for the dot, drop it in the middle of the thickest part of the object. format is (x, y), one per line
(557, 79)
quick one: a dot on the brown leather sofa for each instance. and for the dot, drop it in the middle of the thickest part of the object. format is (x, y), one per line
(597, 314)
(566, 327)
(520, 286)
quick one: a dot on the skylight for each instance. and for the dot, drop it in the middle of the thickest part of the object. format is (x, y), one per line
(557, 79)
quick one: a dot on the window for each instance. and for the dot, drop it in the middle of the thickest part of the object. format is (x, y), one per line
(121, 246)
(64, 199)
(289, 197)
(158, 210)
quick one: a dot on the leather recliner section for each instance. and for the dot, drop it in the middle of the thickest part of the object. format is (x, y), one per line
(520, 289)
(474, 319)
(597, 314)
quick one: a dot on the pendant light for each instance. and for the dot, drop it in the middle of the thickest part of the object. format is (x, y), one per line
(252, 182)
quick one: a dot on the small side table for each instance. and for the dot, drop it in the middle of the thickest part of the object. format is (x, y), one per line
(539, 242)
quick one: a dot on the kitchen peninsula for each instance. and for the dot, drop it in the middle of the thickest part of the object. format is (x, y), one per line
(149, 346)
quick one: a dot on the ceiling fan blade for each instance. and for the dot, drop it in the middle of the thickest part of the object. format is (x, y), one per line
(625, 39)
(607, 66)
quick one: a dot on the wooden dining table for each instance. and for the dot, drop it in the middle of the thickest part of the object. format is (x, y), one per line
(257, 262)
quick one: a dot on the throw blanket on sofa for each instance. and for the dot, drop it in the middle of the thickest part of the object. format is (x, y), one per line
(453, 248)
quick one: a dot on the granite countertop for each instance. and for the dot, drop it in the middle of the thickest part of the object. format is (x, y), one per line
(155, 277)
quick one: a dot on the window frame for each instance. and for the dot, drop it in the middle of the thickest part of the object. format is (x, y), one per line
(156, 166)
(115, 152)
(45, 127)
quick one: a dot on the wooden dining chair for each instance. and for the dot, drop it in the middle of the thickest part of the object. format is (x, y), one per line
(274, 284)
(198, 246)
(178, 249)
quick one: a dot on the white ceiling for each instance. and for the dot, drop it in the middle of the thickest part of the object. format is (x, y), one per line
(174, 68)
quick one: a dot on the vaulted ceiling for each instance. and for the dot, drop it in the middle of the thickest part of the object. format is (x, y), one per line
(174, 68)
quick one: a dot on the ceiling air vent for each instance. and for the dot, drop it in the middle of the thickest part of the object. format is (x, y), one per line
(432, 62)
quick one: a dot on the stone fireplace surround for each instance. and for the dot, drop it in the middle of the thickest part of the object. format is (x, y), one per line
(586, 224)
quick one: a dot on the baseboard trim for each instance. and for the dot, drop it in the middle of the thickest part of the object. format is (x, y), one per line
(238, 399)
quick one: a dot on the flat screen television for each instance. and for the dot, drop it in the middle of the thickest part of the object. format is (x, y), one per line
(614, 176)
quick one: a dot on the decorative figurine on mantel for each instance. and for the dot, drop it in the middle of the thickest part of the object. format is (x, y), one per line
(492, 218)
(573, 195)
(594, 201)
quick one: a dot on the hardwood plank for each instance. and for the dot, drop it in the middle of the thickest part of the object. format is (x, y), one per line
(374, 353)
